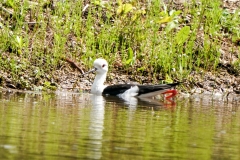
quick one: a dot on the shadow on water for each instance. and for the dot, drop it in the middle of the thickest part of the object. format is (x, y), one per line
(82, 126)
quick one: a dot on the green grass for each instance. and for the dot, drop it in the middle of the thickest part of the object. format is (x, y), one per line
(150, 39)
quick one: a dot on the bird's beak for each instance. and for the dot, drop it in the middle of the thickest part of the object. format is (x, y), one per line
(92, 70)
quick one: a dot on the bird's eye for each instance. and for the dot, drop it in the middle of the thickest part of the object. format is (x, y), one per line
(103, 65)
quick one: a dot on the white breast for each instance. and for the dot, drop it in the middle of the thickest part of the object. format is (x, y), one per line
(133, 91)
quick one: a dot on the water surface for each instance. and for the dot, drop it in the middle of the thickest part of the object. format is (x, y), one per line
(81, 126)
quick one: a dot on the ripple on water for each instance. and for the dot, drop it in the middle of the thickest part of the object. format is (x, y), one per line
(81, 126)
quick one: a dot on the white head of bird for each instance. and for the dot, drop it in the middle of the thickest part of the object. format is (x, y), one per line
(101, 68)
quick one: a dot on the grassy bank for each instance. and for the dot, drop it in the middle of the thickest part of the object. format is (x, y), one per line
(149, 38)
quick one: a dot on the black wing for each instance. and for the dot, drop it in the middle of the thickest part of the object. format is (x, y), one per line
(143, 89)
(116, 89)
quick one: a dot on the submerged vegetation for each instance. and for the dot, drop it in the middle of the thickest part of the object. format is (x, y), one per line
(149, 38)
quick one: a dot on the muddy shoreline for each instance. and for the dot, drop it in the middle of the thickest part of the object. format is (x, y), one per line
(197, 96)
(68, 78)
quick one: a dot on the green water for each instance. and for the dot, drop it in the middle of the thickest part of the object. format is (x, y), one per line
(80, 126)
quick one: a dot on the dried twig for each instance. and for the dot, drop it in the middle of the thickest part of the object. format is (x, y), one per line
(73, 64)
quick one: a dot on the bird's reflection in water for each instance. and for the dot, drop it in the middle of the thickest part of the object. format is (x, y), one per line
(96, 126)
(134, 102)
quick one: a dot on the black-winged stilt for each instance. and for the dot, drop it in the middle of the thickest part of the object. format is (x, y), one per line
(125, 90)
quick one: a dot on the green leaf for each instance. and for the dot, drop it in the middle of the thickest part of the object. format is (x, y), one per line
(19, 41)
(10, 3)
(127, 8)
(163, 14)
(130, 56)
(96, 2)
(119, 2)
(130, 53)
(182, 35)
(124, 8)
(165, 20)
(174, 13)
(138, 13)
(168, 79)
(47, 84)
(141, 69)
(119, 9)
(128, 61)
